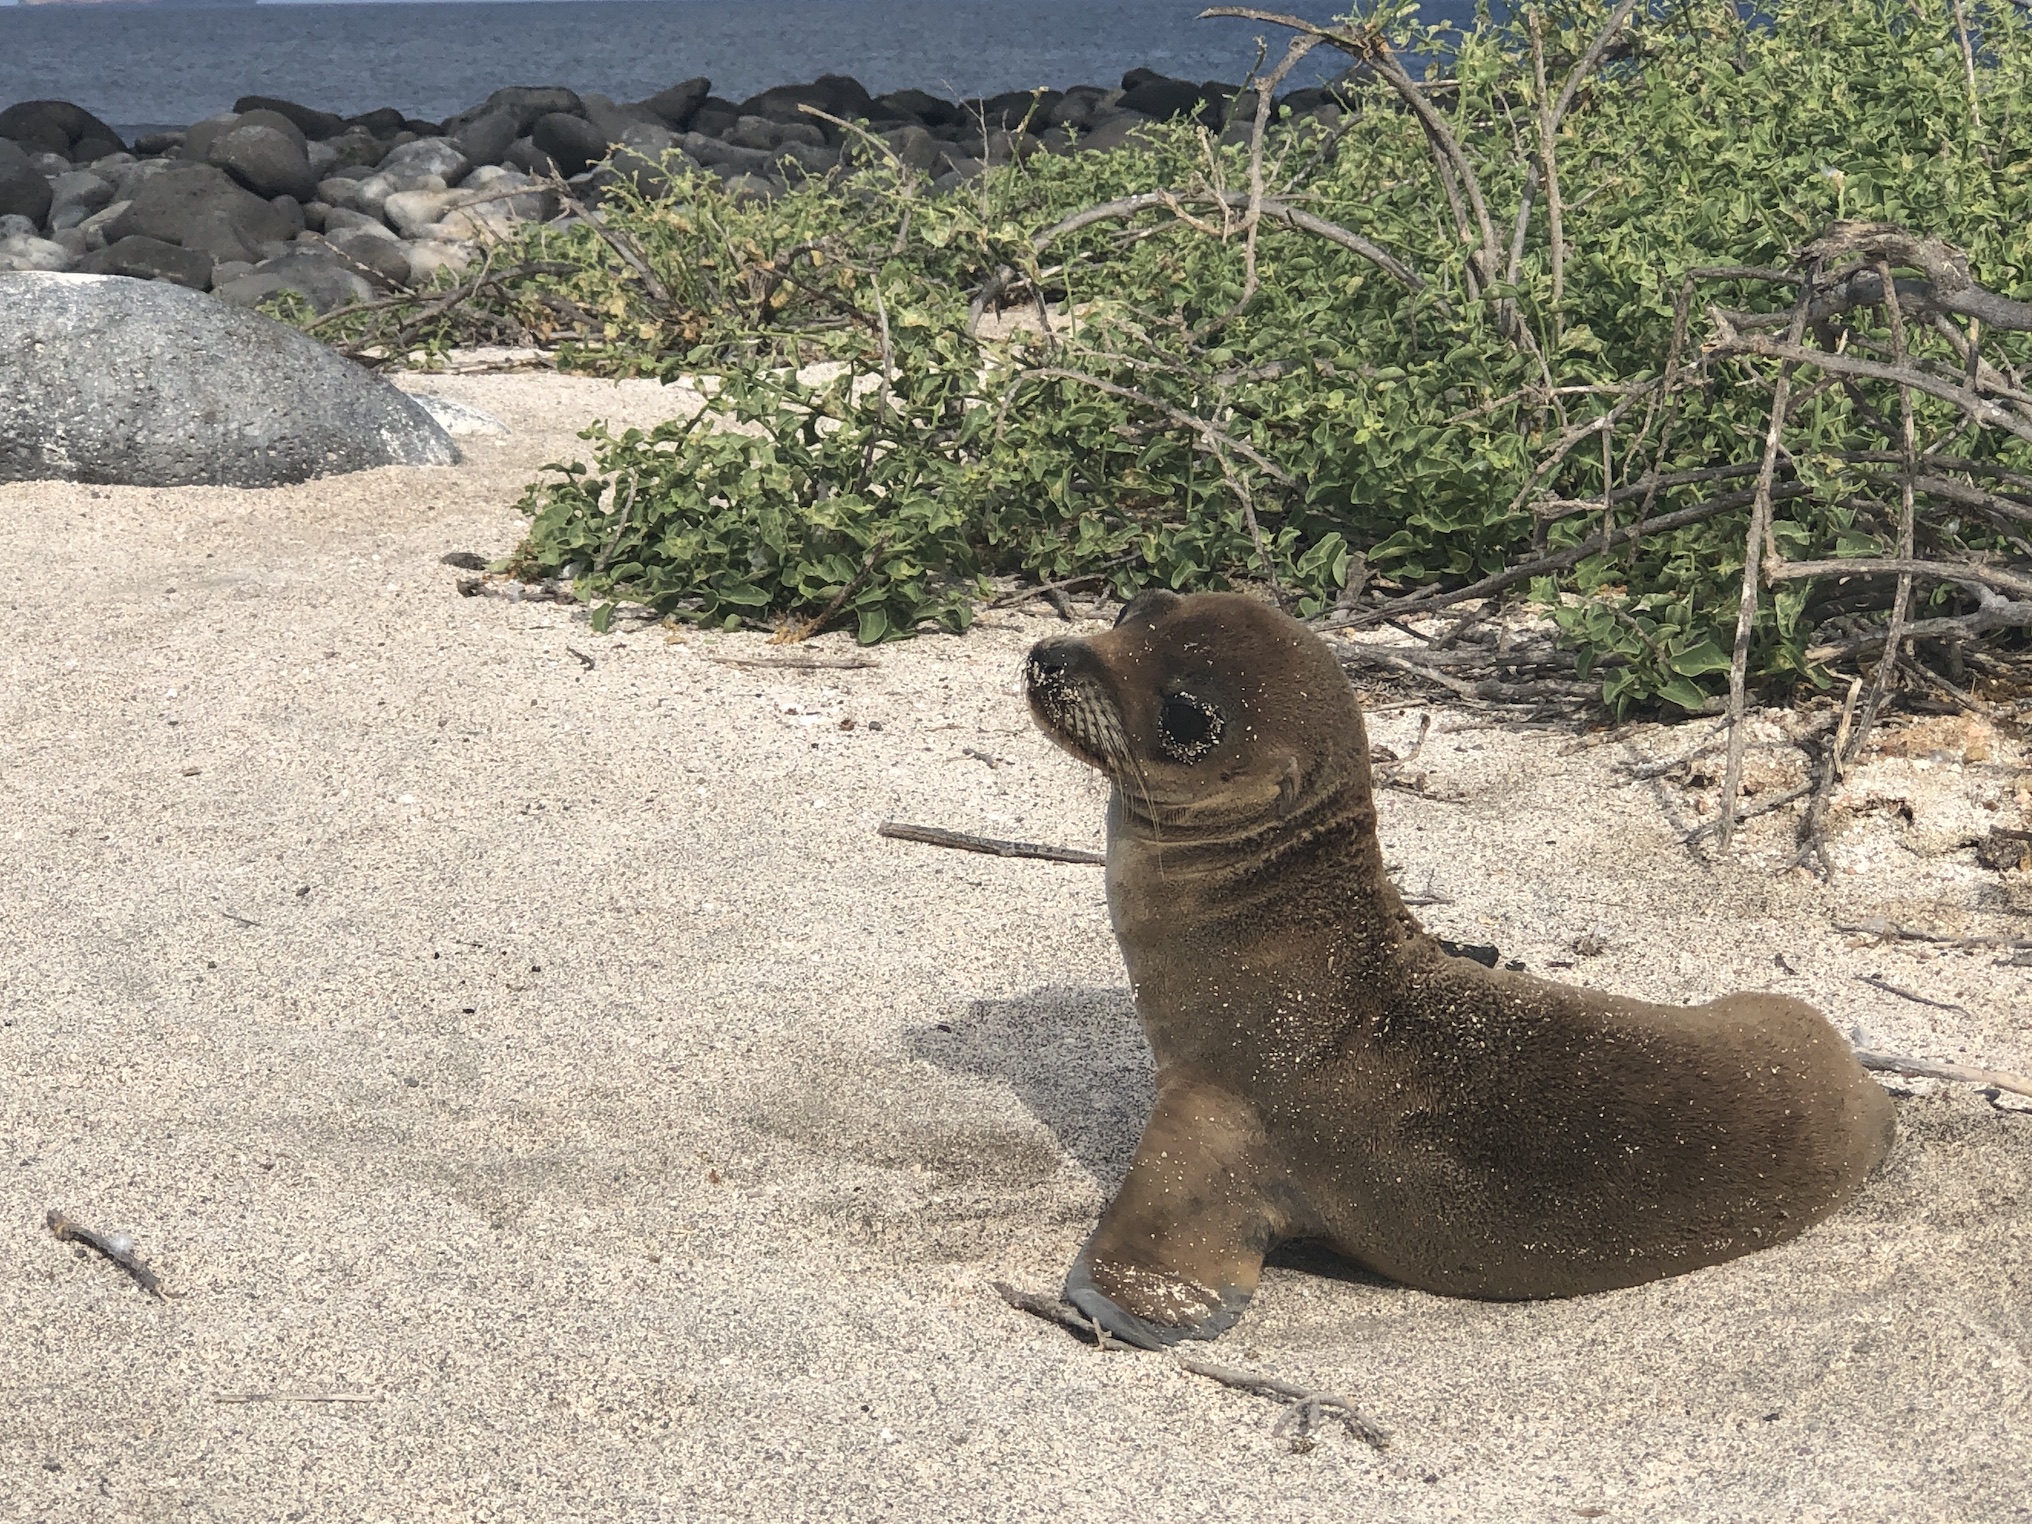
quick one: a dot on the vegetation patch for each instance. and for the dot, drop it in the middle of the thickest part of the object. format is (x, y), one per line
(1618, 310)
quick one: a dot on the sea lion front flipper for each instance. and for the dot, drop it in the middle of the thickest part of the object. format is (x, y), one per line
(1178, 1251)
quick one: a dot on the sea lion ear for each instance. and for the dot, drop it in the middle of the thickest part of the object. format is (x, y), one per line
(1151, 603)
(1288, 783)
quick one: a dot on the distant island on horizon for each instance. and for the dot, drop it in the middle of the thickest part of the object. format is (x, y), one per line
(153, 5)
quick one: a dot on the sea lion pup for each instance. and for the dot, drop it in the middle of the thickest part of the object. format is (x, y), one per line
(1325, 1070)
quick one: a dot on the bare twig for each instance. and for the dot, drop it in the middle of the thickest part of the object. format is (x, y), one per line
(1813, 824)
(1277, 211)
(1762, 807)
(1559, 560)
(1904, 567)
(117, 1247)
(1266, 87)
(1891, 931)
(1061, 1313)
(248, 1397)
(1753, 559)
(797, 663)
(1308, 1405)
(1877, 981)
(1927, 1068)
(935, 836)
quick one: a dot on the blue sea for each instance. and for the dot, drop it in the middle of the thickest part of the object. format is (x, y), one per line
(161, 67)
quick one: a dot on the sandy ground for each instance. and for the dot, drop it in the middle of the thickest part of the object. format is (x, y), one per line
(548, 1048)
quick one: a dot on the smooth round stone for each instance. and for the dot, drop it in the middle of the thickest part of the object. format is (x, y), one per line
(148, 384)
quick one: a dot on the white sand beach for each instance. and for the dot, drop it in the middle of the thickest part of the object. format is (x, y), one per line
(525, 1030)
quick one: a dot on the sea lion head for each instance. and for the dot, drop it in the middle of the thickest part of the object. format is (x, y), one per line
(1211, 711)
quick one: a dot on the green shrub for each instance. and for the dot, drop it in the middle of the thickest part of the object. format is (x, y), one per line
(1394, 437)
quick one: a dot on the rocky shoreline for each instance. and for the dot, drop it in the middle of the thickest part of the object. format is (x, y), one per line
(275, 196)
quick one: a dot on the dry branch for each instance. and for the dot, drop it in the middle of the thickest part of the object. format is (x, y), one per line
(935, 836)
(116, 1247)
(1277, 211)
(1927, 1068)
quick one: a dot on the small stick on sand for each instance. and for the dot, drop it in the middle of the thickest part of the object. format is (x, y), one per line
(1052, 1310)
(1926, 1068)
(295, 1397)
(115, 1246)
(1776, 802)
(1890, 931)
(1878, 982)
(797, 663)
(1308, 1407)
(932, 836)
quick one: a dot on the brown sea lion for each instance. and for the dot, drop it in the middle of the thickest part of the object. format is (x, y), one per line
(1326, 1071)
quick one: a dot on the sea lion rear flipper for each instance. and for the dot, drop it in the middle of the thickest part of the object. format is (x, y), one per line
(1178, 1251)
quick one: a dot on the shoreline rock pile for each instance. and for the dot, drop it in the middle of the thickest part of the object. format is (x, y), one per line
(275, 196)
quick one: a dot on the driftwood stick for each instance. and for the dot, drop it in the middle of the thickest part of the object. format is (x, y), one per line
(1052, 1310)
(1307, 1404)
(1754, 557)
(934, 836)
(1879, 982)
(1891, 931)
(1926, 1068)
(116, 1247)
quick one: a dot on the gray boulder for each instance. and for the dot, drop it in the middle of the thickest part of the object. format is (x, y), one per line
(487, 138)
(76, 196)
(23, 191)
(571, 141)
(61, 128)
(312, 124)
(524, 103)
(426, 156)
(14, 225)
(680, 103)
(311, 273)
(31, 253)
(145, 384)
(199, 136)
(266, 160)
(150, 259)
(379, 252)
(202, 208)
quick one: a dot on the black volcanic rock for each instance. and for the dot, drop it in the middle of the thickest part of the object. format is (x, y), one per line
(200, 207)
(317, 125)
(487, 138)
(915, 105)
(59, 127)
(150, 259)
(572, 142)
(680, 103)
(524, 104)
(837, 95)
(265, 160)
(23, 191)
(383, 122)
(1161, 98)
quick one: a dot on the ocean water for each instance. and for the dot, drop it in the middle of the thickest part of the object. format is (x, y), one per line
(134, 67)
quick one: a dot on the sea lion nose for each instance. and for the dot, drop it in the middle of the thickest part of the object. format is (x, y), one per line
(1049, 660)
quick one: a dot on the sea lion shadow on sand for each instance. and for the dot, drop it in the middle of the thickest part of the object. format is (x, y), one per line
(1075, 1058)
(1077, 1061)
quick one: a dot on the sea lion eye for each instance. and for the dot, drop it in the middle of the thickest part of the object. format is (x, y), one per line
(1188, 727)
